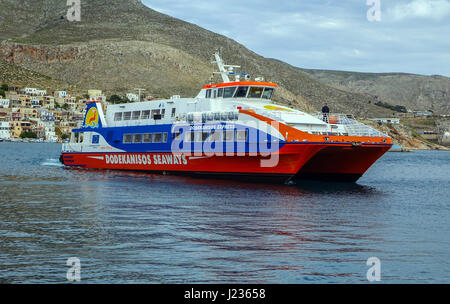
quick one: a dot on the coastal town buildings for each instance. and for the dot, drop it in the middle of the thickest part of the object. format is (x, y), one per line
(36, 113)
(4, 130)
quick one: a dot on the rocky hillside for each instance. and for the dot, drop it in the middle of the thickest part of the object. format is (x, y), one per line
(415, 92)
(122, 44)
(17, 76)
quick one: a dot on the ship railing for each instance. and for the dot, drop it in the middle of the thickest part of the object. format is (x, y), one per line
(352, 126)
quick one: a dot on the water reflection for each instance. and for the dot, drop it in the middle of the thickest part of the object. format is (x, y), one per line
(132, 227)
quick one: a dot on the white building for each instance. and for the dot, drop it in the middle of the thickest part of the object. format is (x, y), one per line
(61, 94)
(4, 103)
(49, 130)
(395, 121)
(35, 92)
(5, 132)
(132, 97)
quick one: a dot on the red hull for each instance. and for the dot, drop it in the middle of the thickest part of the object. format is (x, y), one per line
(291, 158)
(341, 163)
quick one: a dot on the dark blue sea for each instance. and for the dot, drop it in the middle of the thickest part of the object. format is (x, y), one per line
(142, 228)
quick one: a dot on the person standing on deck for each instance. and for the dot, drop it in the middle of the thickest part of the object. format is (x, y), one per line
(325, 112)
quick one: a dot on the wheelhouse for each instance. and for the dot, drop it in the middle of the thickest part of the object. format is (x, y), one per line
(245, 89)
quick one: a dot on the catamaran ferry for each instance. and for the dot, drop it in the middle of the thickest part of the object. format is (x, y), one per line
(231, 129)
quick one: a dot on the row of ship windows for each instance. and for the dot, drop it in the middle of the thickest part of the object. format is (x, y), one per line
(145, 138)
(329, 133)
(147, 114)
(240, 92)
(213, 136)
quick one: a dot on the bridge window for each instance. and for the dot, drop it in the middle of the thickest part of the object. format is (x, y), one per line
(136, 115)
(208, 93)
(127, 138)
(229, 92)
(220, 92)
(118, 116)
(145, 114)
(127, 116)
(268, 92)
(255, 92)
(241, 92)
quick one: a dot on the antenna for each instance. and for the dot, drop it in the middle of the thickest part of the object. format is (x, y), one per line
(140, 90)
(227, 70)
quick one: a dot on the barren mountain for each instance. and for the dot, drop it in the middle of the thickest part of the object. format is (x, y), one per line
(122, 44)
(416, 92)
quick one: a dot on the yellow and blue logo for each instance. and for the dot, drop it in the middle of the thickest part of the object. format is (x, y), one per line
(92, 118)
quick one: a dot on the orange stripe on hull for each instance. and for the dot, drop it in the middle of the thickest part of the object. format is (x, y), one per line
(288, 161)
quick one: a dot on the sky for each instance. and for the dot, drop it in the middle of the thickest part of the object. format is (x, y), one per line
(410, 36)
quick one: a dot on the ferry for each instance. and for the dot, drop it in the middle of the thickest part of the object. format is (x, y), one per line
(231, 129)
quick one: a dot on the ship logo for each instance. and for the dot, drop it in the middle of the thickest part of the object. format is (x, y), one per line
(91, 120)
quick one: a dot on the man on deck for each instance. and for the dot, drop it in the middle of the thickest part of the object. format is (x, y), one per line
(325, 112)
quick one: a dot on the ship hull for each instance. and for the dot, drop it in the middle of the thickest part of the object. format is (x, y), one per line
(341, 163)
(278, 167)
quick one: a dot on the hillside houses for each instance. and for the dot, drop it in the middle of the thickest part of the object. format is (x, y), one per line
(36, 113)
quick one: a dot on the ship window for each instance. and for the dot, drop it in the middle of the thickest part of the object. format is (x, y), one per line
(176, 135)
(215, 136)
(205, 136)
(118, 116)
(220, 92)
(224, 116)
(208, 93)
(174, 112)
(127, 116)
(156, 112)
(127, 138)
(230, 115)
(189, 137)
(215, 94)
(163, 113)
(137, 138)
(210, 116)
(136, 115)
(147, 138)
(228, 92)
(198, 136)
(145, 114)
(157, 138)
(267, 93)
(228, 135)
(216, 116)
(241, 135)
(255, 92)
(164, 139)
(241, 92)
